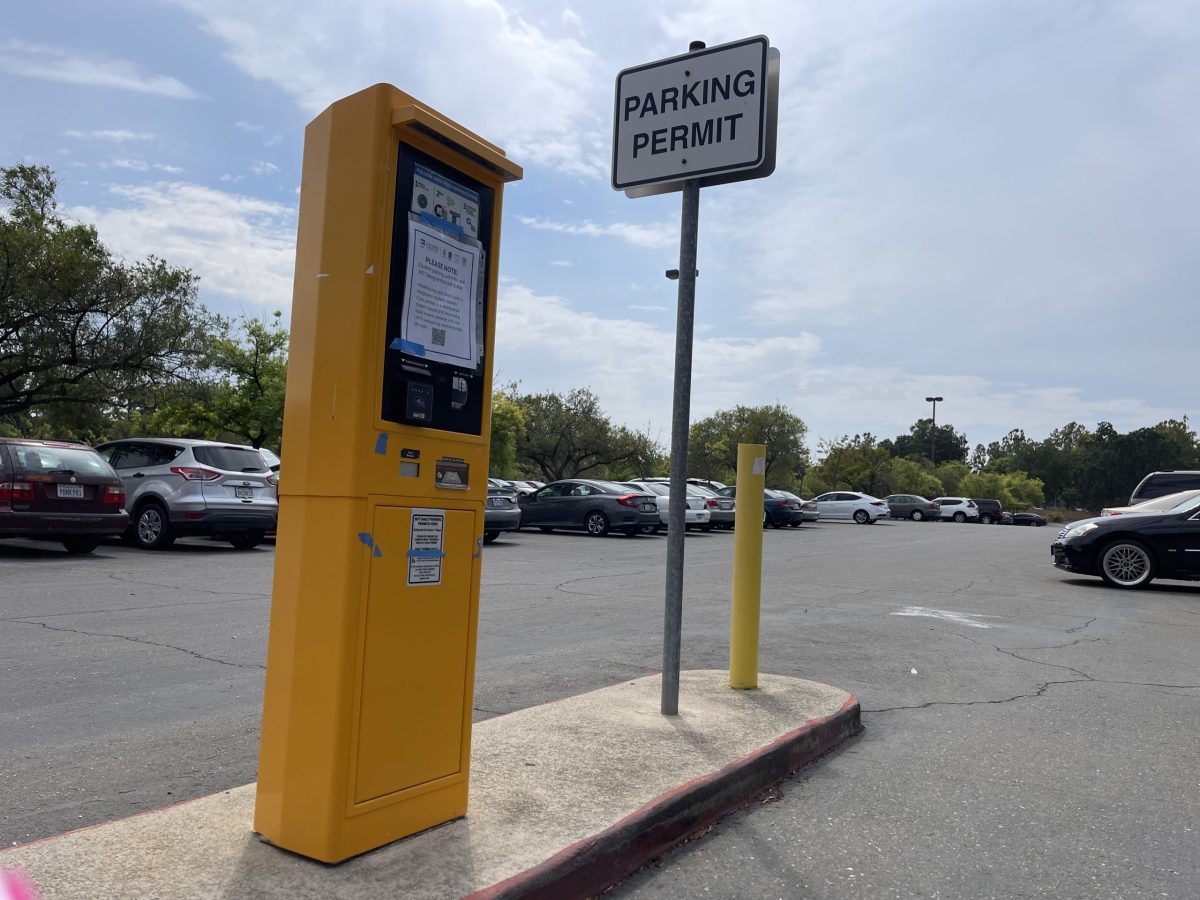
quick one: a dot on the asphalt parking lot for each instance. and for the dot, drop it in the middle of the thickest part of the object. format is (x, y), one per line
(1028, 733)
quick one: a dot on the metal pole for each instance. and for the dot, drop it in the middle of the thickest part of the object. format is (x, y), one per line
(680, 414)
(747, 568)
(933, 431)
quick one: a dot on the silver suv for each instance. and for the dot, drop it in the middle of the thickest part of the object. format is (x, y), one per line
(176, 487)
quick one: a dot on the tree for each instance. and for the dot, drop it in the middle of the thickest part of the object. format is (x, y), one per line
(949, 446)
(241, 397)
(569, 436)
(508, 420)
(79, 328)
(712, 444)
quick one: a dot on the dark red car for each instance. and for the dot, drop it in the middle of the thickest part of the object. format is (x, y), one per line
(59, 491)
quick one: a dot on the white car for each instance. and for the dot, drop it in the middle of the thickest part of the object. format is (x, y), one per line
(1168, 503)
(862, 508)
(695, 516)
(958, 509)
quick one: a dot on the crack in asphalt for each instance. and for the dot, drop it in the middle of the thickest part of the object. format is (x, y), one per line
(562, 585)
(176, 587)
(1079, 627)
(134, 640)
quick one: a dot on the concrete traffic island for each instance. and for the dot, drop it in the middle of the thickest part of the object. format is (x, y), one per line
(566, 799)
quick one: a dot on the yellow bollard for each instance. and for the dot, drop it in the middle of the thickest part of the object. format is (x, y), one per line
(747, 567)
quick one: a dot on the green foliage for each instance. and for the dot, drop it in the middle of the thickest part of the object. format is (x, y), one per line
(712, 444)
(910, 477)
(241, 396)
(1014, 490)
(82, 334)
(947, 444)
(951, 474)
(508, 421)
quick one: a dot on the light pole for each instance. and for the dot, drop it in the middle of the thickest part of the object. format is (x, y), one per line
(933, 430)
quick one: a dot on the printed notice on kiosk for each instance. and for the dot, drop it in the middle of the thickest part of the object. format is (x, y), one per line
(425, 547)
(441, 283)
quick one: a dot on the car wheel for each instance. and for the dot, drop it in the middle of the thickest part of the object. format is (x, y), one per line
(1035, 524)
(960, 517)
(766, 519)
(650, 529)
(247, 540)
(985, 519)
(918, 516)
(706, 527)
(81, 544)
(861, 516)
(152, 529)
(632, 531)
(596, 523)
(489, 536)
(1126, 564)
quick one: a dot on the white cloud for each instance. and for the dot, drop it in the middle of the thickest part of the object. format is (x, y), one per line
(247, 126)
(118, 135)
(133, 165)
(242, 247)
(651, 236)
(261, 167)
(93, 70)
(538, 95)
(564, 263)
(648, 307)
(547, 344)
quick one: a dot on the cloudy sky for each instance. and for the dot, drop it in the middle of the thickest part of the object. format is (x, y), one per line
(996, 202)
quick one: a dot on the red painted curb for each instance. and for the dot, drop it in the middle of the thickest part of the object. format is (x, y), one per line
(591, 865)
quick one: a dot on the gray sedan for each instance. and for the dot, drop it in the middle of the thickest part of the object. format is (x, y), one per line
(593, 506)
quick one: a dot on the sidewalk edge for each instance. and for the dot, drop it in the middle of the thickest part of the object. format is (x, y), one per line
(591, 865)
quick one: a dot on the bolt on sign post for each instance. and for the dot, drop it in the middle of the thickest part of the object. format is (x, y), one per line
(704, 118)
(366, 733)
(747, 567)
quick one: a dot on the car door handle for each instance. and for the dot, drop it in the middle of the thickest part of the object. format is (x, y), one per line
(138, 475)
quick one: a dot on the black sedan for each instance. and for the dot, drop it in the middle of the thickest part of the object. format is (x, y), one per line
(1024, 518)
(593, 506)
(1129, 551)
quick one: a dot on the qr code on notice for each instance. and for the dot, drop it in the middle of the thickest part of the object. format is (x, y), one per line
(439, 337)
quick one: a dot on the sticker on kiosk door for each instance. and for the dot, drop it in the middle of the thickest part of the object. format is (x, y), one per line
(425, 552)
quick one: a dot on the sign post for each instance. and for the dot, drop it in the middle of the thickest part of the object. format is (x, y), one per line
(707, 117)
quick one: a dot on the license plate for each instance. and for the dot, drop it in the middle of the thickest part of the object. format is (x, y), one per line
(244, 493)
(73, 491)
(648, 507)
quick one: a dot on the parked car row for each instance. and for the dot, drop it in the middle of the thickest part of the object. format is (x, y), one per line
(148, 491)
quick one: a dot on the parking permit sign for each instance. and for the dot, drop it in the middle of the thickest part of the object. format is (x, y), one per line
(702, 115)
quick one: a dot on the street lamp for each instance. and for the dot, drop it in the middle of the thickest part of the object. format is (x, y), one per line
(933, 430)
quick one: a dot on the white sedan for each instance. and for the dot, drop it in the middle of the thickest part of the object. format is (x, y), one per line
(862, 508)
(695, 516)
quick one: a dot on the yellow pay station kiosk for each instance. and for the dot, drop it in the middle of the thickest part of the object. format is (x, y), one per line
(371, 657)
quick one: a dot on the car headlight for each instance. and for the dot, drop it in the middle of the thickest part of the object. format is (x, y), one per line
(1080, 530)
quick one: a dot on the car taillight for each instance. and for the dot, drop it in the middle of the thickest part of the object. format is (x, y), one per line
(195, 473)
(17, 491)
(877, 503)
(628, 499)
(272, 480)
(712, 504)
(114, 496)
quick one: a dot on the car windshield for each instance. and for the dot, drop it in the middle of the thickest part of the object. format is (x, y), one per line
(702, 490)
(231, 459)
(44, 459)
(612, 487)
(1172, 502)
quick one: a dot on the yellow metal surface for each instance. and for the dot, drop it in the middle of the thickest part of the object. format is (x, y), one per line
(369, 684)
(414, 694)
(747, 567)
